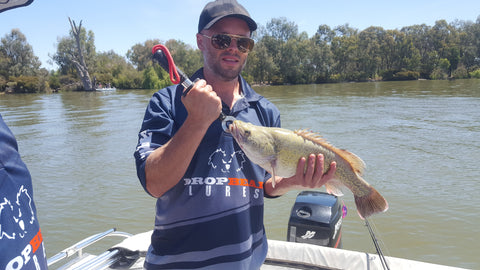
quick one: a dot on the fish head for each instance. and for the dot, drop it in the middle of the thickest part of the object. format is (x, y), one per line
(255, 141)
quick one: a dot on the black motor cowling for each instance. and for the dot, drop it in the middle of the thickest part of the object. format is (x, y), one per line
(316, 218)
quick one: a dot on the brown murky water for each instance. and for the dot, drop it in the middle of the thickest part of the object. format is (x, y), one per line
(420, 141)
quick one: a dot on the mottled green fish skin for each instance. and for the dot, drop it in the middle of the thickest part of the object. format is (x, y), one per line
(278, 151)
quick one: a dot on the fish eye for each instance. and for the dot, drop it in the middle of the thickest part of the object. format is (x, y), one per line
(247, 132)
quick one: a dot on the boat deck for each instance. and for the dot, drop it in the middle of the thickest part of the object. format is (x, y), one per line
(130, 254)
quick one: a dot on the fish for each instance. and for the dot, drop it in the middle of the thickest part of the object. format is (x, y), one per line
(278, 150)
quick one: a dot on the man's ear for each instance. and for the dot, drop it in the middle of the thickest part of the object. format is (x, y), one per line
(200, 45)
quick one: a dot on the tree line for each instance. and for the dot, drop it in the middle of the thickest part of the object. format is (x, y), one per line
(282, 55)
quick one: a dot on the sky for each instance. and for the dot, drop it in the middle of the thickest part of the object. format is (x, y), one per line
(120, 24)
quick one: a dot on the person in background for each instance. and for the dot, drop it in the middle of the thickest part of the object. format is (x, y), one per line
(21, 241)
(209, 211)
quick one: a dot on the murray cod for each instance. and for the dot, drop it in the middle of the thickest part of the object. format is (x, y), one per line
(278, 151)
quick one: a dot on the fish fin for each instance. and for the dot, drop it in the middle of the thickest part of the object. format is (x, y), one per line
(357, 164)
(370, 204)
(273, 164)
(334, 187)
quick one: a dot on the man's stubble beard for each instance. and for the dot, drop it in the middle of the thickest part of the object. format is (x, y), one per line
(225, 74)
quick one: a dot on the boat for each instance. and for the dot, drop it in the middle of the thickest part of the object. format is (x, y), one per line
(313, 242)
(130, 254)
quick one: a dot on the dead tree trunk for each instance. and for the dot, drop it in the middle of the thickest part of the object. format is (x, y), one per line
(79, 61)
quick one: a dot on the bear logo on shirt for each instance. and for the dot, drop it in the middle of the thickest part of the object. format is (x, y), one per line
(226, 160)
(16, 215)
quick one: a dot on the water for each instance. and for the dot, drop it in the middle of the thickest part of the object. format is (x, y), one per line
(420, 141)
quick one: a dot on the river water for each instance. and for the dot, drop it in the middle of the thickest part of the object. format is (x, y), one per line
(420, 141)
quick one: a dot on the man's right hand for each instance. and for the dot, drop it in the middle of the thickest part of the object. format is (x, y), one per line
(202, 103)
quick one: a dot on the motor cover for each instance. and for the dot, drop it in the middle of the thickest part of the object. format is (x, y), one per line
(316, 218)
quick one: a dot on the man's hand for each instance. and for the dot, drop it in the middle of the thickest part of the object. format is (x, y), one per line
(202, 103)
(312, 177)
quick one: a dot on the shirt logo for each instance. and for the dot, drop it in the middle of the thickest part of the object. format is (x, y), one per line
(226, 160)
(20, 217)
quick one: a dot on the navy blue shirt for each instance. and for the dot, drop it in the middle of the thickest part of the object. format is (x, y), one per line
(213, 217)
(21, 242)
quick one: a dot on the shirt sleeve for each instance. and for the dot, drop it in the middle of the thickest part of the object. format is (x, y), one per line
(20, 233)
(158, 127)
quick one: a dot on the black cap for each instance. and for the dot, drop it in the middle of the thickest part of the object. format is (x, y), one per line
(219, 9)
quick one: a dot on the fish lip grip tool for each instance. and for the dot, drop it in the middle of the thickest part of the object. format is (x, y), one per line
(162, 55)
(164, 58)
(227, 120)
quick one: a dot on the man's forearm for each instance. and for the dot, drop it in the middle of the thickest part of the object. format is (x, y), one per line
(168, 163)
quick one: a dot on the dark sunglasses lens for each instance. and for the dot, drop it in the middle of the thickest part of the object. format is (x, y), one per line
(221, 42)
(245, 44)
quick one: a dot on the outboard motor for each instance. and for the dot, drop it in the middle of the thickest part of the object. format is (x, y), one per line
(316, 218)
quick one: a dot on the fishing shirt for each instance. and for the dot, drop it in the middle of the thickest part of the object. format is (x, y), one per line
(213, 217)
(21, 241)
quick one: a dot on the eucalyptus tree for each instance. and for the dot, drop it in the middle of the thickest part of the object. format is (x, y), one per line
(76, 54)
(140, 55)
(186, 57)
(346, 53)
(321, 53)
(16, 55)
(260, 66)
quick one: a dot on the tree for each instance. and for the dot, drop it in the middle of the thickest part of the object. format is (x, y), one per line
(114, 69)
(186, 58)
(371, 41)
(79, 59)
(260, 64)
(140, 55)
(76, 54)
(345, 50)
(324, 35)
(281, 29)
(16, 55)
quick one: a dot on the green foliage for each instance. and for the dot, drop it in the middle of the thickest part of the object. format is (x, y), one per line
(460, 73)
(54, 81)
(25, 84)
(16, 56)
(475, 74)
(151, 80)
(439, 74)
(185, 57)
(346, 54)
(3, 84)
(403, 75)
(140, 55)
(282, 55)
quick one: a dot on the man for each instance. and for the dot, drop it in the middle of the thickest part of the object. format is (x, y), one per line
(209, 212)
(21, 241)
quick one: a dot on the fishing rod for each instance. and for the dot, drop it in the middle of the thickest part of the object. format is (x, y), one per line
(383, 260)
(162, 55)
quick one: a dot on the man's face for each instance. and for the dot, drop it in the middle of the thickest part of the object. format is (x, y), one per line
(225, 64)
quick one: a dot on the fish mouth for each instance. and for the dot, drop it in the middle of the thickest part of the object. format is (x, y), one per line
(235, 131)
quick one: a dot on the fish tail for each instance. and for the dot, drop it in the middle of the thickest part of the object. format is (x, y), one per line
(370, 204)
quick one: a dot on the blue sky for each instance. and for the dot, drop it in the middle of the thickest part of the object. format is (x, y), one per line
(120, 24)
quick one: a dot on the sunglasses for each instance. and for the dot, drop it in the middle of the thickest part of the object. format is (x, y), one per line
(223, 41)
